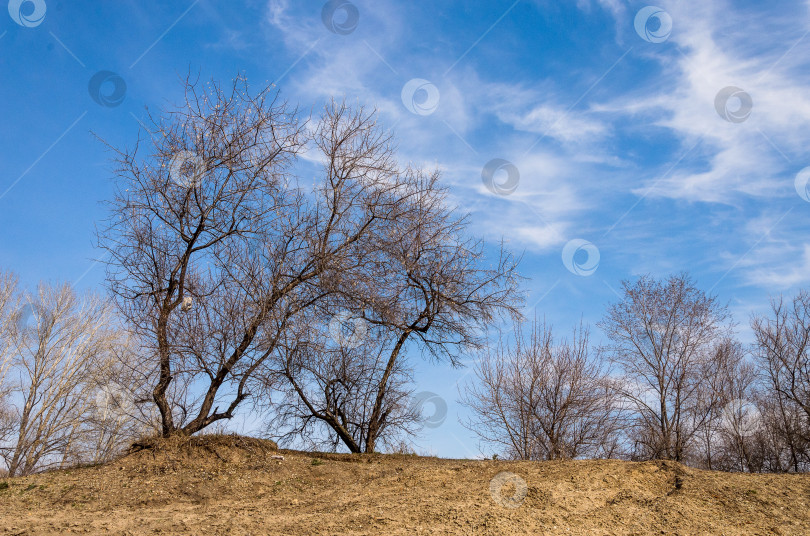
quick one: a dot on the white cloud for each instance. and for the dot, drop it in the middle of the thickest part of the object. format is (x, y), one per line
(539, 214)
(715, 50)
(791, 270)
(564, 178)
(553, 122)
(538, 237)
(772, 252)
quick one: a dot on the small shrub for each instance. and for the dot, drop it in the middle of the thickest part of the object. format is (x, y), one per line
(3, 485)
(316, 462)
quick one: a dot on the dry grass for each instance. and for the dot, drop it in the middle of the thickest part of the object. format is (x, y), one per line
(232, 485)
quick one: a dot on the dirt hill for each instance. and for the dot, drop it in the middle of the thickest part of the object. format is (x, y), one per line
(233, 486)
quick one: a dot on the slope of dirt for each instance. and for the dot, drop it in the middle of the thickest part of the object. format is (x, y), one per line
(233, 486)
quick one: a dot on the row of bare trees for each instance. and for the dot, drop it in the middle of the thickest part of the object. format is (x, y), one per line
(238, 281)
(244, 281)
(670, 383)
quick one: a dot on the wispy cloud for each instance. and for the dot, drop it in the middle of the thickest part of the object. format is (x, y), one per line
(714, 50)
(577, 179)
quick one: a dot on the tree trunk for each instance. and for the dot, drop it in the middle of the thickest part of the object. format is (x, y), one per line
(374, 421)
(159, 392)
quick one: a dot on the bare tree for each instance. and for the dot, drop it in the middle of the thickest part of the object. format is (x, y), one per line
(730, 438)
(217, 250)
(783, 351)
(663, 337)
(420, 285)
(438, 291)
(57, 341)
(541, 400)
(215, 178)
(780, 443)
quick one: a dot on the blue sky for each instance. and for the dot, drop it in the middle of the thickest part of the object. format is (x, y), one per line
(621, 132)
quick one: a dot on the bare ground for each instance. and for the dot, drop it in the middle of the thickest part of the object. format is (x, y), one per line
(231, 486)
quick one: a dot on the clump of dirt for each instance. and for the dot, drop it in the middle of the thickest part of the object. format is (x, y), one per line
(237, 485)
(212, 452)
(223, 447)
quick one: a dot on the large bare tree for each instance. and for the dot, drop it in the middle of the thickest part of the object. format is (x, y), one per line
(541, 399)
(214, 178)
(425, 288)
(663, 336)
(217, 249)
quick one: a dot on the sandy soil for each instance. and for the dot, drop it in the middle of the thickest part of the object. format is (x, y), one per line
(234, 487)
